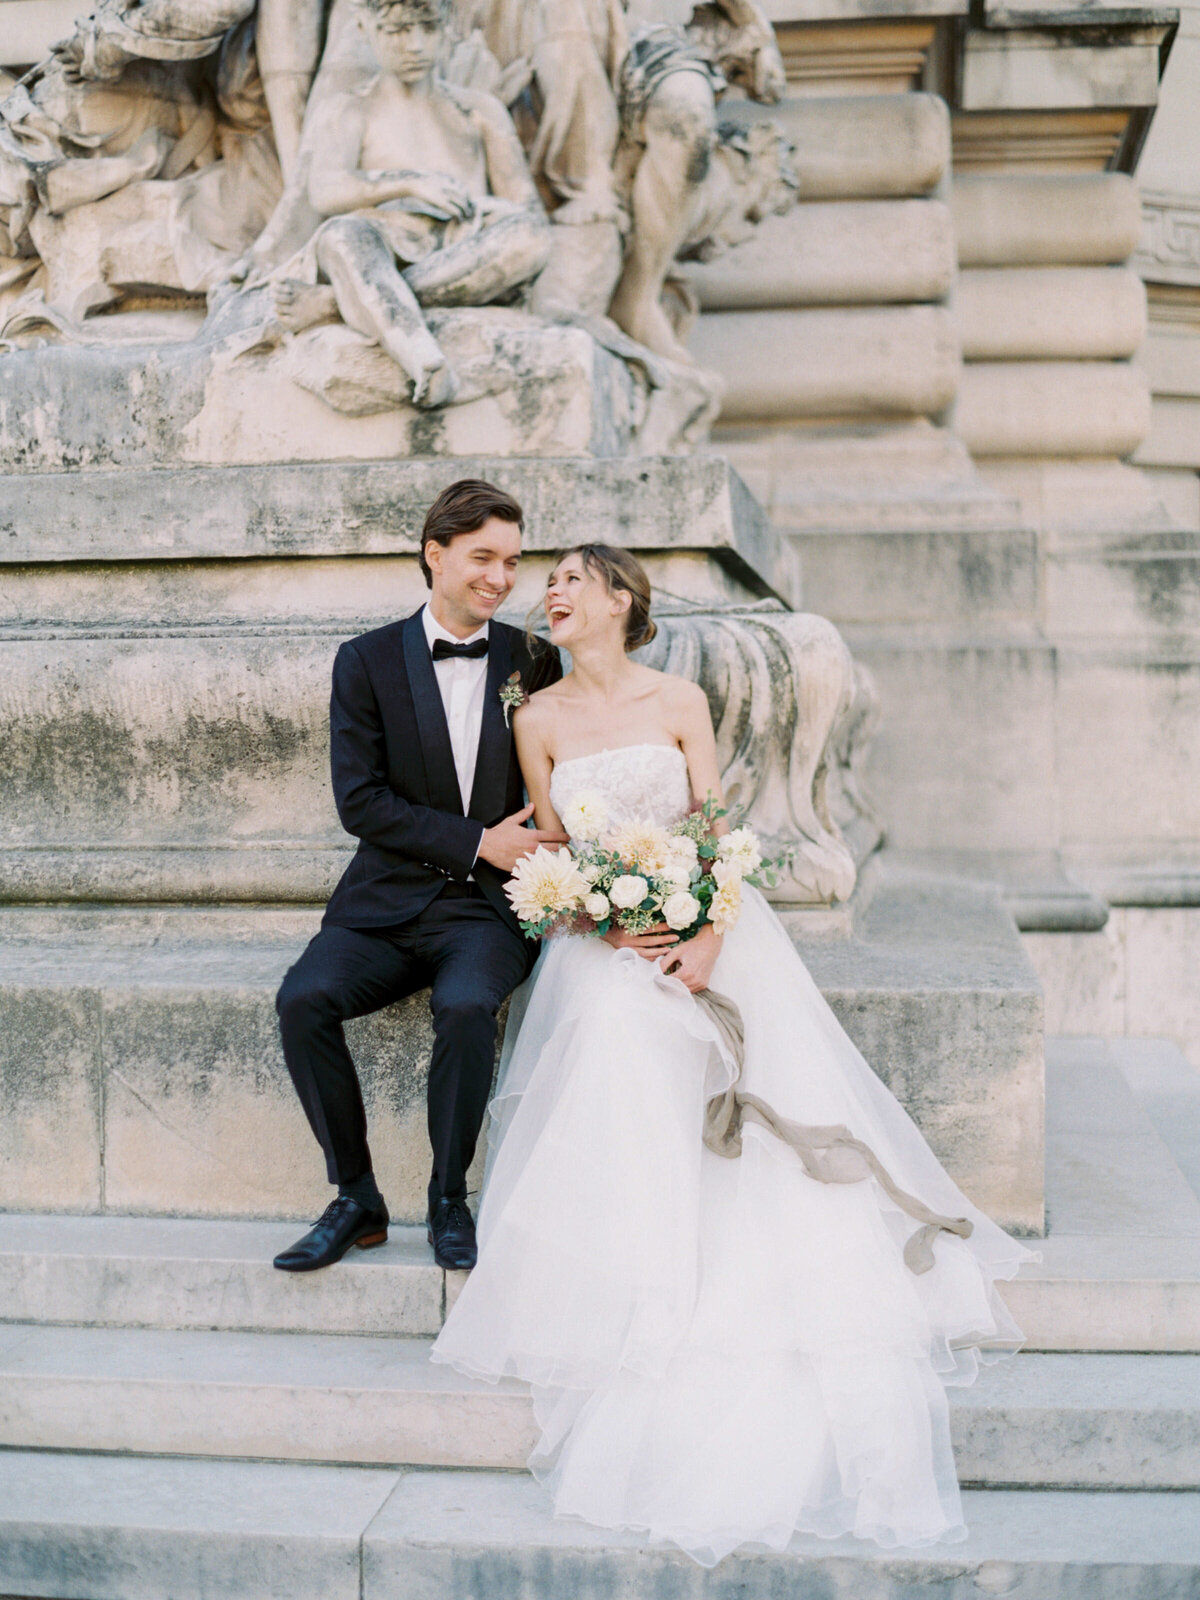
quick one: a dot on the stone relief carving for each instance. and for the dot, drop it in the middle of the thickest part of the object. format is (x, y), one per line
(1169, 250)
(556, 156)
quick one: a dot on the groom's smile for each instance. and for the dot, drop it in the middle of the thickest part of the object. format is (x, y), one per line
(473, 575)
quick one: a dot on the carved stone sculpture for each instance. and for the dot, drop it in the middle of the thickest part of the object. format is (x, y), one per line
(176, 151)
(140, 153)
(668, 88)
(426, 197)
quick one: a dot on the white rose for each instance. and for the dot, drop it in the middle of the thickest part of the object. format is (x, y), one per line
(628, 891)
(597, 907)
(590, 870)
(680, 911)
(585, 817)
(675, 877)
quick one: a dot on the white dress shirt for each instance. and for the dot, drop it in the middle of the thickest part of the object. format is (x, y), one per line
(463, 684)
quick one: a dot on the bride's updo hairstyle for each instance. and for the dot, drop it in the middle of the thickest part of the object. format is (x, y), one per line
(621, 572)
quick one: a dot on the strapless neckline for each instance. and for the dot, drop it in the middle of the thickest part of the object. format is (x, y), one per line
(615, 750)
(647, 782)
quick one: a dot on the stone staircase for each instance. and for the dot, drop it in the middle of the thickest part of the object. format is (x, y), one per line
(177, 1419)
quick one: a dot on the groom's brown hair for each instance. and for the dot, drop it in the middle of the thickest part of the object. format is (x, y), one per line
(462, 508)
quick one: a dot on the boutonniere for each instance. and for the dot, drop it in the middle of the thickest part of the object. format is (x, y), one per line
(512, 695)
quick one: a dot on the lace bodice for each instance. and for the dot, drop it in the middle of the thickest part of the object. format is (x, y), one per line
(636, 782)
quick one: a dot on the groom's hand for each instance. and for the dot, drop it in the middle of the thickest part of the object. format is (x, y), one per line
(505, 844)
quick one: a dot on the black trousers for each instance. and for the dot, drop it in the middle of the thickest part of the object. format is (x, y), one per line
(470, 959)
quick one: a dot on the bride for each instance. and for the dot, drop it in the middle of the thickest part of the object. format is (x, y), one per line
(721, 1351)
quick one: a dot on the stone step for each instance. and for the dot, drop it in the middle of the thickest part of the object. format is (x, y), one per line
(160, 1272)
(1120, 1269)
(80, 1527)
(1109, 1169)
(481, 1535)
(1090, 1292)
(1066, 1421)
(141, 1059)
(1166, 1087)
(1117, 1292)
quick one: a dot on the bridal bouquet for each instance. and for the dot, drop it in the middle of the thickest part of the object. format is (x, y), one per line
(637, 875)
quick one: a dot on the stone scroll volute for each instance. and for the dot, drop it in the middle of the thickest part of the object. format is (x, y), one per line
(792, 712)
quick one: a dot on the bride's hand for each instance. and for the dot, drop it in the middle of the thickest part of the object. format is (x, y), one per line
(693, 961)
(655, 942)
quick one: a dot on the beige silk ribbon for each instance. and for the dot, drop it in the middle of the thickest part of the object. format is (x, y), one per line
(831, 1153)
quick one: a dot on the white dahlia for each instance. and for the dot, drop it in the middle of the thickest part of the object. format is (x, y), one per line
(641, 845)
(726, 905)
(681, 848)
(740, 846)
(545, 884)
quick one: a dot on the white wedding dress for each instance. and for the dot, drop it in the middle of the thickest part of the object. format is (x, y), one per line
(720, 1351)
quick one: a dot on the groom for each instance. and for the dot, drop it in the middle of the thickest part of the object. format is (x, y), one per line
(425, 775)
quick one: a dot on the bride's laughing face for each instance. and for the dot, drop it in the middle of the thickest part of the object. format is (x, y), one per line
(580, 606)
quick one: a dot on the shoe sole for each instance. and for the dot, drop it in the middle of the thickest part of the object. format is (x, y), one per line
(369, 1241)
(447, 1266)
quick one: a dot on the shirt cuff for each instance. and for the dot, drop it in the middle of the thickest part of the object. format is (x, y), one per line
(478, 848)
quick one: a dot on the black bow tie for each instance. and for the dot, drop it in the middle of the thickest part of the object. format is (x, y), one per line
(443, 650)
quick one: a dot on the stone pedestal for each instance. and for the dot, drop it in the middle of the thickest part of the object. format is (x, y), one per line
(530, 389)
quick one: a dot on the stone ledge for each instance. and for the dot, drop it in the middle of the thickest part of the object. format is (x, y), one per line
(376, 508)
(80, 1527)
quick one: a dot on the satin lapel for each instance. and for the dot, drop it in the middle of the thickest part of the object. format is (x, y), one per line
(495, 738)
(436, 750)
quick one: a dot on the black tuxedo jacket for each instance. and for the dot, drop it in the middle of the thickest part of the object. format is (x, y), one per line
(394, 779)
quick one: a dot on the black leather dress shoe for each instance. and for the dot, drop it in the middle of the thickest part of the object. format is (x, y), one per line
(343, 1223)
(451, 1232)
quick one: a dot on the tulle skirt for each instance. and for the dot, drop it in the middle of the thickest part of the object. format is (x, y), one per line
(721, 1352)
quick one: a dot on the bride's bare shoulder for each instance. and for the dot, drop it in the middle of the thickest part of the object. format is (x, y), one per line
(679, 694)
(540, 710)
(543, 701)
